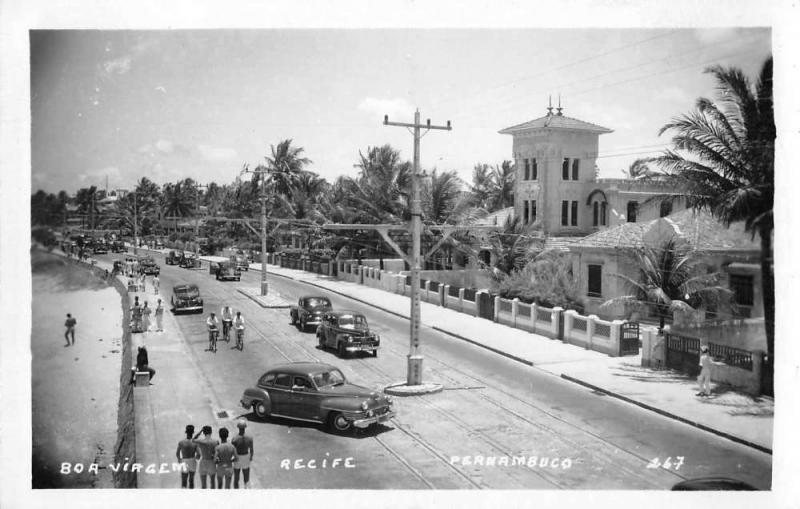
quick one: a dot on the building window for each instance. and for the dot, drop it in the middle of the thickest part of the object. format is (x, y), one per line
(534, 170)
(595, 281)
(525, 215)
(574, 214)
(742, 287)
(595, 213)
(633, 208)
(603, 213)
(527, 169)
(564, 213)
(533, 211)
(665, 208)
(565, 169)
(575, 167)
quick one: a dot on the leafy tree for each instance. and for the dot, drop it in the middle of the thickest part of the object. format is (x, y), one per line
(380, 193)
(286, 164)
(546, 280)
(511, 247)
(671, 277)
(443, 197)
(723, 161)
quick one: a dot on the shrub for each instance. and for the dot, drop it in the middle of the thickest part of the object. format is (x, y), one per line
(546, 280)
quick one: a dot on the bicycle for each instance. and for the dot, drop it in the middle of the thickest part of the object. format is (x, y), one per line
(226, 330)
(240, 338)
(212, 339)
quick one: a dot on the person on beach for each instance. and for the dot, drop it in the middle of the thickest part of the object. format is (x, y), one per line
(143, 362)
(187, 455)
(146, 312)
(159, 313)
(224, 457)
(156, 284)
(244, 455)
(70, 332)
(206, 447)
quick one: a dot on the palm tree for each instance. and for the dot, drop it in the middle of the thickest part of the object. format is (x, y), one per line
(511, 247)
(305, 197)
(178, 200)
(442, 197)
(285, 164)
(723, 161)
(638, 169)
(670, 279)
(86, 202)
(380, 192)
(481, 183)
(501, 187)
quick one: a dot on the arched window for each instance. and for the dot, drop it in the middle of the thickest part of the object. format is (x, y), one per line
(595, 213)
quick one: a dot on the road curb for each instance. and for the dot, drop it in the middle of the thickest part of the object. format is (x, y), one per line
(669, 414)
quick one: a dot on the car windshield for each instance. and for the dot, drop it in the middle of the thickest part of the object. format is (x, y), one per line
(317, 302)
(333, 377)
(353, 322)
(188, 291)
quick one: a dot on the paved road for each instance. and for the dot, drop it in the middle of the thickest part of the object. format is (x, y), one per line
(492, 407)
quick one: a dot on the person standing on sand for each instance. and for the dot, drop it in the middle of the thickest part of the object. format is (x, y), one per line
(70, 325)
(146, 311)
(156, 284)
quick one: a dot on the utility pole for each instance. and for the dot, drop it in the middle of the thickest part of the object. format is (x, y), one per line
(414, 376)
(135, 226)
(263, 171)
(197, 221)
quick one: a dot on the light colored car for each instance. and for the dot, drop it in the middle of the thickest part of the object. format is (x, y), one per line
(316, 392)
(347, 332)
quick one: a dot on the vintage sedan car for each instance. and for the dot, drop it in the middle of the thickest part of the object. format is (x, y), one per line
(227, 271)
(100, 247)
(118, 247)
(186, 298)
(309, 311)
(189, 261)
(241, 261)
(172, 258)
(347, 332)
(316, 392)
(148, 266)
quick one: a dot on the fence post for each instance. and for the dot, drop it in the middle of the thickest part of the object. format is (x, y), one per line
(616, 338)
(427, 294)
(361, 274)
(461, 302)
(590, 322)
(514, 311)
(758, 366)
(441, 295)
(446, 299)
(497, 308)
(568, 317)
(555, 324)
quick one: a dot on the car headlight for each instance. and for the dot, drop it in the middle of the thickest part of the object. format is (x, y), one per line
(364, 405)
(349, 339)
(370, 413)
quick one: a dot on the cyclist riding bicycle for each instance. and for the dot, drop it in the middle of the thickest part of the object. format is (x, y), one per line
(238, 324)
(213, 329)
(227, 320)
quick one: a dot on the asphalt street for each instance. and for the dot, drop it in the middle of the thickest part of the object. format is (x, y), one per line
(492, 407)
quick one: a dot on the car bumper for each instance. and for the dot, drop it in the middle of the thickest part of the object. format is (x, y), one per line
(196, 307)
(363, 423)
(229, 278)
(362, 348)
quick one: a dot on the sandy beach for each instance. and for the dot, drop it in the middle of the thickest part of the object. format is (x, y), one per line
(75, 389)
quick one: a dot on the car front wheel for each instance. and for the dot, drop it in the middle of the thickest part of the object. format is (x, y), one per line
(342, 350)
(260, 409)
(339, 423)
(321, 341)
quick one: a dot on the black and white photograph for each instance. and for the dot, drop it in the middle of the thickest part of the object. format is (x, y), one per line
(362, 256)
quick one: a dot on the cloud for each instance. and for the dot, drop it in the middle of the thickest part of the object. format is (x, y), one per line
(97, 177)
(392, 107)
(118, 66)
(158, 147)
(216, 153)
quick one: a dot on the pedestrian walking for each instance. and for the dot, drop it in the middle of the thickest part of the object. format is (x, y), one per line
(706, 364)
(224, 457)
(187, 455)
(159, 313)
(244, 455)
(156, 284)
(146, 312)
(70, 332)
(206, 446)
(136, 315)
(141, 282)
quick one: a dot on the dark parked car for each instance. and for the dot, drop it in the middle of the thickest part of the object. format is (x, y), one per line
(316, 392)
(172, 258)
(241, 261)
(227, 271)
(189, 261)
(100, 247)
(186, 298)
(118, 247)
(309, 311)
(148, 266)
(347, 332)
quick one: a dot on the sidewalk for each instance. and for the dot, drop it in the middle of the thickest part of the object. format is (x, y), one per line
(727, 413)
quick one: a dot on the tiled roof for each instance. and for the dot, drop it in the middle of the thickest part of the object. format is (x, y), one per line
(556, 122)
(497, 218)
(559, 243)
(700, 230)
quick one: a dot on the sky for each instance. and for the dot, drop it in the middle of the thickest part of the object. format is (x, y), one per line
(111, 106)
